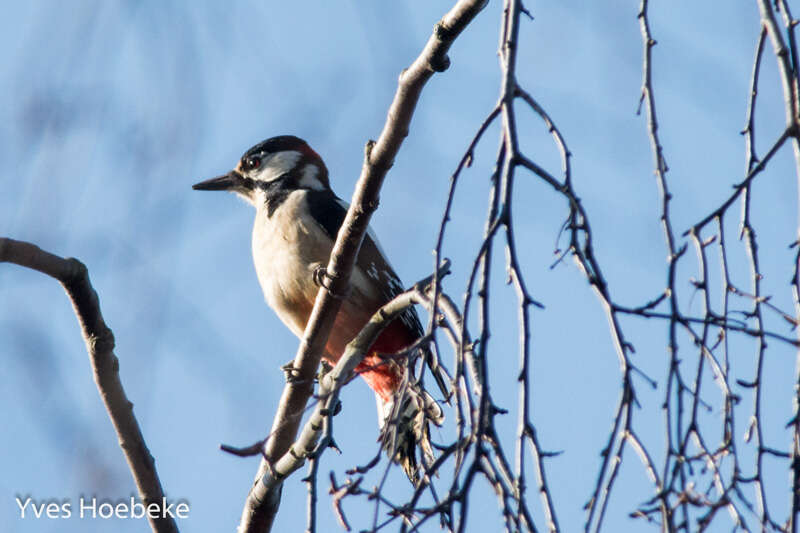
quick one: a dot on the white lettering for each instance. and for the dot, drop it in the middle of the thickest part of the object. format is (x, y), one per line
(109, 510)
(152, 510)
(53, 510)
(22, 506)
(182, 510)
(166, 508)
(50, 508)
(105, 508)
(38, 510)
(85, 507)
(137, 509)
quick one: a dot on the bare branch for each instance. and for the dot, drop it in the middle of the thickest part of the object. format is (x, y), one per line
(306, 445)
(74, 277)
(739, 187)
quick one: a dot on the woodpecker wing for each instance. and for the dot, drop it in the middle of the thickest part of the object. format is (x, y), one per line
(411, 415)
(329, 211)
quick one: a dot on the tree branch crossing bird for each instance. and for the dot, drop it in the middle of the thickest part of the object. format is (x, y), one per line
(297, 219)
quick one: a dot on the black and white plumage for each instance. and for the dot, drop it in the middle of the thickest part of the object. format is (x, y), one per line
(297, 219)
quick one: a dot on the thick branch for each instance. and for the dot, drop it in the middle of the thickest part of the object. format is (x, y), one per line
(99, 339)
(262, 502)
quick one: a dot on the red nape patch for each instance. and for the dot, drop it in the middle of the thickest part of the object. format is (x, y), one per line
(380, 374)
(307, 151)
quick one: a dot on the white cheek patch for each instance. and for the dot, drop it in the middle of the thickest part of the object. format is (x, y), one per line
(309, 177)
(276, 165)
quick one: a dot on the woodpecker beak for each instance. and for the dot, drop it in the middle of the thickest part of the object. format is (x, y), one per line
(225, 182)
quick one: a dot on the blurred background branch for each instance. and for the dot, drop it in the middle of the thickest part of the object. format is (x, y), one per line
(74, 277)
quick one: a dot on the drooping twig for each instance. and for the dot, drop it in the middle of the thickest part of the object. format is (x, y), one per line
(526, 431)
(660, 170)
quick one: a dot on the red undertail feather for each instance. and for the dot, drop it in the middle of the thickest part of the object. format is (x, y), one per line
(381, 375)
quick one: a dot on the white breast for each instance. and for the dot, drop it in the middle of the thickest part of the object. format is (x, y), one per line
(287, 248)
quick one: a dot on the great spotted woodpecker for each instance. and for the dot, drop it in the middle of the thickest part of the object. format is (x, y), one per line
(297, 219)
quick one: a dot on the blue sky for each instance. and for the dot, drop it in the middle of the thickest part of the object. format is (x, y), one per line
(110, 111)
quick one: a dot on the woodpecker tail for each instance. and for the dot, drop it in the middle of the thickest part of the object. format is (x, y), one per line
(404, 427)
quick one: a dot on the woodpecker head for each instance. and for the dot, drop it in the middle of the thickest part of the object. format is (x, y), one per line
(278, 165)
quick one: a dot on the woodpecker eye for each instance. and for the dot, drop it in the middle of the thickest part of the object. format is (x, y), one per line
(251, 163)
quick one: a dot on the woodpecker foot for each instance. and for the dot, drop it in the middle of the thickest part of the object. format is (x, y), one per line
(324, 368)
(291, 374)
(323, 279)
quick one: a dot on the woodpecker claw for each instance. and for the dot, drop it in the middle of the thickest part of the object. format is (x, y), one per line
(324, 368)
(292, 374)
(322, 279)
(320, 275)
